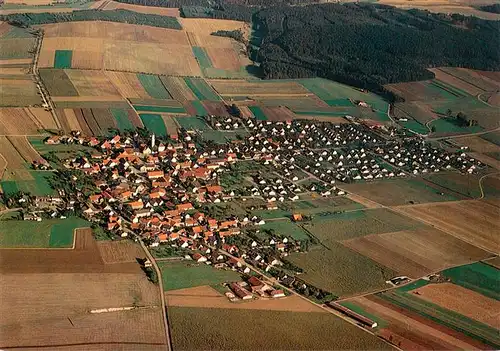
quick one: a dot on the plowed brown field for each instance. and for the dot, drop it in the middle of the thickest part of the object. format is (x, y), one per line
(464, 301)
(416, 252)
(473, 221)
(128, 85)
(23, 146)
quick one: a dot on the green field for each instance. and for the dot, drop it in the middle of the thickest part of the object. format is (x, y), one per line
(192, 123)
(331, 227)
(239, 329)
(353, 307)
(165, 109)
(187, 274)
(154, 123)
(480, 277)
(200, 109)
(44, 234)
(57, 82)
(202, 57)
(222, 137)
(446, 125)
(258, 113)
(153, 86)
(201, 89)
(122, 120)
(39, 186)
(415, 126)
(286, 228)
(62, 58)
(443, 316)
(467, 185)
(336, 94)
(320, 205)
(340, 270)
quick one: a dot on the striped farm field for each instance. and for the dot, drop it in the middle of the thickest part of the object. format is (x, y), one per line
(105, 119)
(163, 11)
(18, 92)
(13, 158)
(16, 121)
(171, 125)
(479, 277)
(91, 83)
(473, 221)
(153, 86)
(110, 46)
(160, 109)
(216, 108)
(448, 318)
(463, 301)
(455, 81)
(122, 119)
(416, 252)
(278, 114)
(18, 48)
(202, 57)
(154, 123)
(178, 88)
(24, 148)
(68, 120)
(201, 89)
(156, 102)
(57, 82)
(127, 84)
(199, 108)
(272, 88)
(94, 102)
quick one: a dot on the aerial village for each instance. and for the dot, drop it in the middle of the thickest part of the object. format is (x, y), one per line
(156, 191)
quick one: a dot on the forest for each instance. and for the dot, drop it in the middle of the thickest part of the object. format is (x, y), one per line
(29, 19)
(493, 8)
(369, 45)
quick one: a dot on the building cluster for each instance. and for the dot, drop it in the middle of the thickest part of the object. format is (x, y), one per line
(157, 190)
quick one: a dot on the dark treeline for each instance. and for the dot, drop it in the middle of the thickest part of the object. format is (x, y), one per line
(29, 19)
(493, 8)
(371, 45)
(234, 34)
(167, 3)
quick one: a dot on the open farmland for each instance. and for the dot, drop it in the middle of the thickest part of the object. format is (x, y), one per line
(416, 252)
(124, 251)
(401, 191)
(56, 307)
(22, 145)
(127, 84)
(265, 330)
(255, 89)
(180, 275)
(91, 83)
(110, 46)
(357, 274)
(206, 296)
(478, 144)
(409, 301)
(16, 121)
(163, 11)
(463, 301)
(285, 228)
(410, 331)
(479, 277)
(18, 92)
(473, 221)
(49, 233)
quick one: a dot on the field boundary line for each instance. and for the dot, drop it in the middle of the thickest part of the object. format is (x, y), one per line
(83, 344)
(481, 183)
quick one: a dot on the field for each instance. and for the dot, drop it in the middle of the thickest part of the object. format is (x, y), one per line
(206, 296)
(463, 301)
(163, 11)
(18, 92)
(410, 301)
(478, 144)
(479, 277)
(153, 86)
(91, 83)
(97, 121)
(154, 123)
(265, 330)
(178, 89)
(285, 228)
(24, 148)
(466, 185)
(180, 275)
(409, 330)
(357, 274)
(201, 89)
(127, 84)
(115, 252)
(401, 191)
(473, 221)
(109, 46)
(453, 89)
(416, 253)
(48, 233)
(255, 89)
(51, 293)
